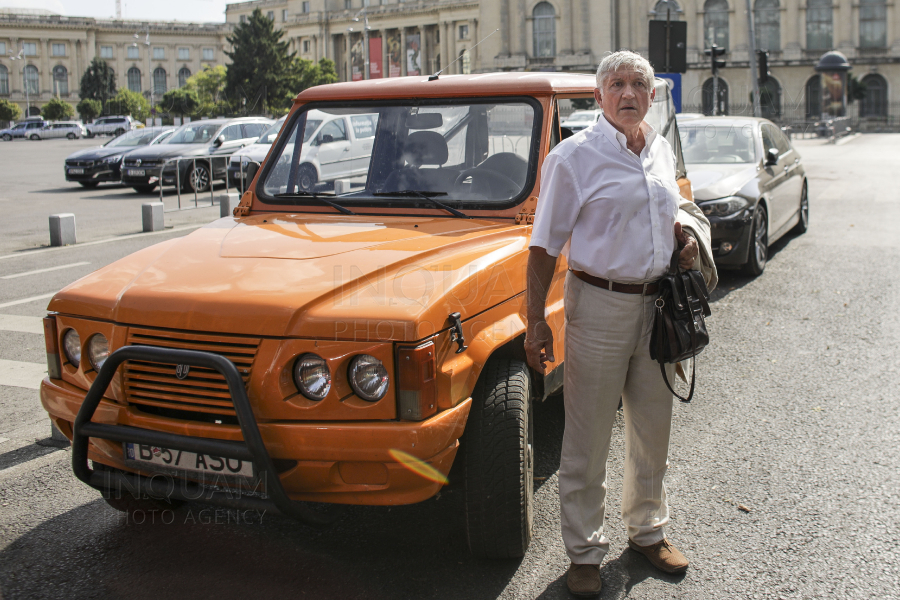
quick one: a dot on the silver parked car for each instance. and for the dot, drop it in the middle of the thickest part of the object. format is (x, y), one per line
(63, 129)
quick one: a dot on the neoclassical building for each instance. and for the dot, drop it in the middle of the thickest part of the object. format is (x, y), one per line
(46, 54)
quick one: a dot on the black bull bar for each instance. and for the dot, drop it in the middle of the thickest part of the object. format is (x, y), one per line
(251, 449)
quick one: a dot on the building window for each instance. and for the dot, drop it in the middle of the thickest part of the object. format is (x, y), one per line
(159, 81)
(30, 48)
(4, 81)
(544, 30)
(814, 97)
(767, 15)
(305, 6)
(465, 62)
(134, 79)
(348, 4)
(819, 25)
(666, 9)
(722, 89)
(875, 102)
(872, 24)
(106, 51)
(3, 48)
(183, 75)
(184, 54)
(284, 14)
(159, 53)
(133, 53)
(463, 32)
(58, 49)
(31, 79)
(305, 46)
(270, 15)
(715, 23)
(209, 54)
(243, 18)
(770, 99)
(60, 81)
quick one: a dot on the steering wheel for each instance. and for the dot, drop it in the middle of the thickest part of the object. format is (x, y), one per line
(486, 178)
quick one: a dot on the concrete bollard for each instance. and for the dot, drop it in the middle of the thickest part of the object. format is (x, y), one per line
(227, 203)
(62, 229)
(341, 186)
(152, 216)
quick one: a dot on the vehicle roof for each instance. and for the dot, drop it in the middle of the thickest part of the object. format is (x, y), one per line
(723, 121)
(482, 84)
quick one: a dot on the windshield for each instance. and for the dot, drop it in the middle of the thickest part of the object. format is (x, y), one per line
(475, 153)
(139, 137)
(581, 115)
(718, 143)
(200, 133)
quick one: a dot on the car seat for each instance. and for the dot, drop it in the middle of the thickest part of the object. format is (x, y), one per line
(420, 149)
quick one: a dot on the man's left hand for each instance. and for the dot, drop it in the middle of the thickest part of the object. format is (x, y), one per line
(689, 248)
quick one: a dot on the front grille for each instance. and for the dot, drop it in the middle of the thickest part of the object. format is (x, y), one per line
(80, 163)
(145, 164)
(203, 394)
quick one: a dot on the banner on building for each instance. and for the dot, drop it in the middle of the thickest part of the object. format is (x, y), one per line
(357, 60)
(376, 62)
(394, 55)
(413, 55)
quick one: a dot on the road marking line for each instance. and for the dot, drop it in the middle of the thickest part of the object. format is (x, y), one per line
(104, 241)
(47, 270)
(21, 324)
(22, 374)
(27, 300)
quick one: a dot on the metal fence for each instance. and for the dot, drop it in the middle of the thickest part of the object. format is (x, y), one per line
(796, 117)
(210, 161)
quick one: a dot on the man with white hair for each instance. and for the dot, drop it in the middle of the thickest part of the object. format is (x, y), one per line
(610, 191)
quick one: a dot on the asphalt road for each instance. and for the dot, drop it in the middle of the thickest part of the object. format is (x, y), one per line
(795, 419)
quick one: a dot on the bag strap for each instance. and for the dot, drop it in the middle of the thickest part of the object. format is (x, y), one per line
(690, 395)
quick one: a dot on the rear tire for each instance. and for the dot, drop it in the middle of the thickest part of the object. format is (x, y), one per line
(803, 224)
(71, 136)
(89, 184)
(759, 243)
(34, 137)
(7, 137)
(307, 177)
(498, 455)
(118, 132)
(144, 189)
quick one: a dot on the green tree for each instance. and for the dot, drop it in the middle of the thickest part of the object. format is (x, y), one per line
(126, 102)
(57, 109)
(181, 101)
(9, 111)
(89, 109)
(208, 83)
(98, 81)
(261, 65)
(856, 89)
(303, 74)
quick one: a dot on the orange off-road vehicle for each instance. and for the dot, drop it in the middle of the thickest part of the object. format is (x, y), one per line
(339, 342)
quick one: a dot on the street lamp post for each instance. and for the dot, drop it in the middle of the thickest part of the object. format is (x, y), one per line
(149, 73)
(366, 30)
(21, 56)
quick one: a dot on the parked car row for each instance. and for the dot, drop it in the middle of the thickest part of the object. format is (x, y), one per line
(92, 166)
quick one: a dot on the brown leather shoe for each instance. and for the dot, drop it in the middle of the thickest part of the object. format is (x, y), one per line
(584, 580)
(663, 555)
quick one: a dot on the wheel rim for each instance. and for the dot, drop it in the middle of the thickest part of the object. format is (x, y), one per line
(761, 245)
(199, 179)
(306, 180)
(804, 208)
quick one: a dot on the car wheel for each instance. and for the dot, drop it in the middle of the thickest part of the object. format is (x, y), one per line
(119, 132)
(759, 243)
(35, 137)
(71, 136)
(122, 500)
(198, 178)
(7, 137)
(89, 184)
(307, 177)
(803, 224)
(89, 135)
(498, 457)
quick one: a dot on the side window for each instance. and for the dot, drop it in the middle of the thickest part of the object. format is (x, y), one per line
(364, 125)
(782, 143)
(767, 139)
(336, 130)
(232, 132)
(252, 130)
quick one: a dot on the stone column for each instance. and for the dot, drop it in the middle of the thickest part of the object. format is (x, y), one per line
(385, 67)
(121, 76)
(403, 52)
(347, 64)
(45, 75)
(586, 27)
(453, 47)
(91, 50)
(843, 19)
(15, 72)
(474, 51)
(445, 46)
(423, 50)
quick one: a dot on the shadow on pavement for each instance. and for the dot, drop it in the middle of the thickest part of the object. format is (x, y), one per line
(732, 279)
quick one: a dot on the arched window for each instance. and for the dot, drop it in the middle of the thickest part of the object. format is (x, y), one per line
(544, 29)
(159, 81)
(767, 15)
(715, 23)
(31, 79)
(4, 81)
(872, 24)
(770, 99)
(875, 102)
(819, 25)
(60, 81)
(722, 107)
(134, 79)
(465, 62)
(814, 97)
(664, 7)
(183, 75)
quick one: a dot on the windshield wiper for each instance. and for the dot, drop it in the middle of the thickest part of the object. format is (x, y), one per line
(425, 195)
(302, 194)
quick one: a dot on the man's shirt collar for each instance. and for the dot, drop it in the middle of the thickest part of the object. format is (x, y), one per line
(618, 138)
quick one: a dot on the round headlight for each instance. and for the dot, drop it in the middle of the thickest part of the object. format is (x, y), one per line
(312, 376)
(368, 377)
(98, 350)
(72, 346)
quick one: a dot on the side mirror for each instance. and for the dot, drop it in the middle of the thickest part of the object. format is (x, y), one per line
(252, 169)
(326, 139)
(771, 157)
(219, 141)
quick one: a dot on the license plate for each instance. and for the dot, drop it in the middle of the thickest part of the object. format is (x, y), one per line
(182, 460)
(136, 172)
(76, 171)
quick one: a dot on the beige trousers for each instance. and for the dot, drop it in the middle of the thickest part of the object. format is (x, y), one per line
(608, 357)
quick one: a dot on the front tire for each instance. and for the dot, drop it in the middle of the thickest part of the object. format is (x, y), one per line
(7, 137)
(118, 132)
(71, 136)
(34, 137)
(498, 457)
(307, 177)
(198, 178)
(759, 243)
(803, 224)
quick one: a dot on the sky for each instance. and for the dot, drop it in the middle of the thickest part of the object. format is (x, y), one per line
(212, 11)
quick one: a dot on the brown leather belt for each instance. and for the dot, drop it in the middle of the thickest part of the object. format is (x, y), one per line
(643, 289)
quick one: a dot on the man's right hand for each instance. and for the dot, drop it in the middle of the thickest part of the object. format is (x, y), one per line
(539, 346)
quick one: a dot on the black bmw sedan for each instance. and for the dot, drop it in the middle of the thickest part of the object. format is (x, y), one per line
(92, 166)
(750, 183)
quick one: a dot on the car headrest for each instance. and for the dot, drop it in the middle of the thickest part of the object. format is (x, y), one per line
(425, 148)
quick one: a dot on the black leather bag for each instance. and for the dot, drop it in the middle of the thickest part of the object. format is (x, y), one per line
(679, 329)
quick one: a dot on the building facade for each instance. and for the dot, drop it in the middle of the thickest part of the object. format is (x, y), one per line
(55, 51)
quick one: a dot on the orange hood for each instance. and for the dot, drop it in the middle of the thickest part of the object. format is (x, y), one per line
(311, 276)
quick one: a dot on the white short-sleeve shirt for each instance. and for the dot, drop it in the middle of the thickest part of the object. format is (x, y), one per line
(616, 208)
